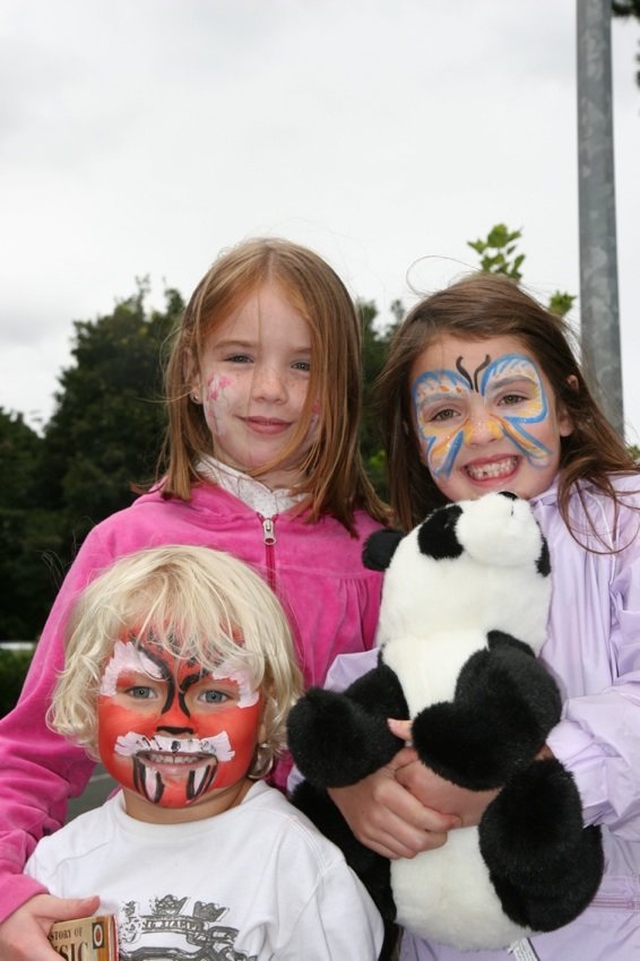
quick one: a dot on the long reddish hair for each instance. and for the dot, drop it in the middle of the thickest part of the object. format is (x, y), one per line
(334, 479)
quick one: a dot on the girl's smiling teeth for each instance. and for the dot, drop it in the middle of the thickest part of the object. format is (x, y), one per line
(491, 470)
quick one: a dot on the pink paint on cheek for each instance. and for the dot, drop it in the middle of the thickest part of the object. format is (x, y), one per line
(314, 420)
(217, 402)
(215, 386)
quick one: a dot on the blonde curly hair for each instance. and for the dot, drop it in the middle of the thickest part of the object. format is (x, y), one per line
(198, 603)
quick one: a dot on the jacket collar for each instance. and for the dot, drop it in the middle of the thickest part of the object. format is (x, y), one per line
(249, 490)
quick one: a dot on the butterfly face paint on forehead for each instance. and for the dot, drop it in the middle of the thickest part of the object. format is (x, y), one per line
(450, 405)
(169, 730)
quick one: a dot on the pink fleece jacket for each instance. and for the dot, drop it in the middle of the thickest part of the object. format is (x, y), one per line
(315, 569)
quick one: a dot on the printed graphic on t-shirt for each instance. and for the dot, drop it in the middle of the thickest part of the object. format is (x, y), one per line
(176, 929)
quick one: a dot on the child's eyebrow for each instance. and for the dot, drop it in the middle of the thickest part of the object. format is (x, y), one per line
(235, 344)
(436, 386)
(435, 393)
(254, 344)
(497, 381)
(439, 383)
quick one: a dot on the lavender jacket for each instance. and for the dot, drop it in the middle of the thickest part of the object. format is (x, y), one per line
(332, 603)
(593, 650)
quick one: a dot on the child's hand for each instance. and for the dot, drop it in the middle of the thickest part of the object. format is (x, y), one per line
(23, 935)
(429, 788)
(387, 818)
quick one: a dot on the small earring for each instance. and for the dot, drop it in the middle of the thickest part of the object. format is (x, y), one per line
(194, 397)
(263, 761)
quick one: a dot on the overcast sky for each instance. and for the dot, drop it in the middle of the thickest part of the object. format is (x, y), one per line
(143, 136)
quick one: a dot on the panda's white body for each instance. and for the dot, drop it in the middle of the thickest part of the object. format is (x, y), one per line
(431, 622)
(446, 895)
(430, 676)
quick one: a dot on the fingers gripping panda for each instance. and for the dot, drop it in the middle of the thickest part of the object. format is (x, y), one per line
(464, 611)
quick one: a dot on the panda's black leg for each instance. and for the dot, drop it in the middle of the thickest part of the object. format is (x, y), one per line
(545, 866)
(337, 739)
(504, 704)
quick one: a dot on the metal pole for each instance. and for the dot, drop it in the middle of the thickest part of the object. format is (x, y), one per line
(596, 194)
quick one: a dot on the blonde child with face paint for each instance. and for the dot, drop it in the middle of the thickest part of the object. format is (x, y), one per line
(179, 674)
(262, 461)
(482, 392)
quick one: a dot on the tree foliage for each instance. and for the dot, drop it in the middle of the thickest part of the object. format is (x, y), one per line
(375, 345)
(497, 252)
(106, 431)
(499, 255)
(104, 435)
(13, 668)
(28, 533)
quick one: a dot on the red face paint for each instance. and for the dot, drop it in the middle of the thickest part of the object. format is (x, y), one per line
(171, 732)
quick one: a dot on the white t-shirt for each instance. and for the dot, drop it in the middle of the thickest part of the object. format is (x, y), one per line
(257, 882)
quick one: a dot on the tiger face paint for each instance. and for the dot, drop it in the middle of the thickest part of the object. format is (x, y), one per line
(171, 732)
(485, 418)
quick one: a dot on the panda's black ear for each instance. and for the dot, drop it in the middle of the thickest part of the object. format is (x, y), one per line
(379, 548)
(437, 536)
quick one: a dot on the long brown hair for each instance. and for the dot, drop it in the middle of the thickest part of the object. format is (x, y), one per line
(477, 307)
(334, 478)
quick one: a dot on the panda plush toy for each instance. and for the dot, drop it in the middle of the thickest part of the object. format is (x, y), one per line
(464, 611)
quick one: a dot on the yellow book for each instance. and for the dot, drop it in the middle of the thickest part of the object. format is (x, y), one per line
(86, 939)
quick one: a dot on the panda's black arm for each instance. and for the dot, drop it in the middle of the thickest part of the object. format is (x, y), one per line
(338, 738)
(505, 704)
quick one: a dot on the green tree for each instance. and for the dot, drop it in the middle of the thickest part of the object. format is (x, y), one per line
(497, 252)
(106, 430)
(31, 536)
(105, 434)
(374, 351)
(13, 668)
(20, 450)
(634, 450)
(499, 255)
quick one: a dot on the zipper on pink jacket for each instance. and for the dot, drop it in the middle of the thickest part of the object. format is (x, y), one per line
(269, 537)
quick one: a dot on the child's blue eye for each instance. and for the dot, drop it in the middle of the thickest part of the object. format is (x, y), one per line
(140, 692)
(303, 365)
(238, 359)
(214, 697)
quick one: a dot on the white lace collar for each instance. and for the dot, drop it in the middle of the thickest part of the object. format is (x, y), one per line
(250, 491)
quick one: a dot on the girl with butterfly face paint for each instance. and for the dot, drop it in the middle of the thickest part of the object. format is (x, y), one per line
(485, 418)
(179, 674)
(482, 391)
